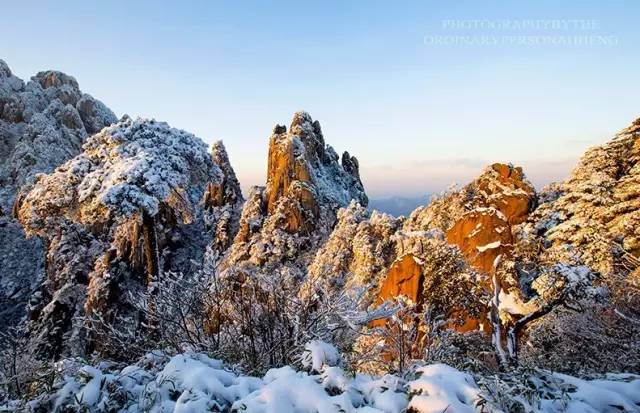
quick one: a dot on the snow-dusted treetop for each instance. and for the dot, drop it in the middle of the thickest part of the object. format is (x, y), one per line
(128, 168)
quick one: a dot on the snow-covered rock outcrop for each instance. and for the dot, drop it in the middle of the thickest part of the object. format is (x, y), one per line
(357, 253)
(476, 220)
(131, 205)
(296, 210)
(43, 123)
(597, 209)
(478, 217)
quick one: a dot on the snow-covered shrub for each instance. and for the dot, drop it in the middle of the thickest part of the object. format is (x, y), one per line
(254, 322)
(535, 390)
(391, 346)
(587, 339)
(178, 315)
(357, 253)
(470, 351)
(194, 382)
(318, 354)
(18, 367)
(260, 321)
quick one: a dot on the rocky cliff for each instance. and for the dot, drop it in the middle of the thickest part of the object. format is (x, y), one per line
(477, 220)
(131, 206)
(43, 122)
(294, 213)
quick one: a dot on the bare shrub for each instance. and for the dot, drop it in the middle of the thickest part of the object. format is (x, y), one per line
(22, 374)
(253, 321)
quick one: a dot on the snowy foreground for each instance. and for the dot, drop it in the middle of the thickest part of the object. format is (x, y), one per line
(193, 382)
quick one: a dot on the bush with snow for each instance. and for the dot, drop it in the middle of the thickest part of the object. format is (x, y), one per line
(318, 354)
(194, 382)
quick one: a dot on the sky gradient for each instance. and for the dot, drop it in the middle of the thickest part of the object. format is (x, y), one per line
(424, 93)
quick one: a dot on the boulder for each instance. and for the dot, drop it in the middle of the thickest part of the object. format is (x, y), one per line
(482, 235)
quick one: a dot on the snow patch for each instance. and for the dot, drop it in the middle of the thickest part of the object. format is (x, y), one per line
(493, 245)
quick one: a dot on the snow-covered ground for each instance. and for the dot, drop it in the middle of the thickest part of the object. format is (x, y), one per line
(193, 382)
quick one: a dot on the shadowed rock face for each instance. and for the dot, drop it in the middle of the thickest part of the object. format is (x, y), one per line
(43, 123)
(223, 201)
(141, 198)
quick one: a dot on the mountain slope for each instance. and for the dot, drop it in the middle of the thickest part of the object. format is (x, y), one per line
(130, 206)
(140, 239)
(43, 123)
(306, 184)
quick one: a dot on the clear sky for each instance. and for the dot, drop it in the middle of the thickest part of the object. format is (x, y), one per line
(424, 93)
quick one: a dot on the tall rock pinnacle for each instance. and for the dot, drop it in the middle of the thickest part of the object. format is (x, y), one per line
(306, 185)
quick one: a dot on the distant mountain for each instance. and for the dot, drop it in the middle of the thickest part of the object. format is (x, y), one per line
(398, 205)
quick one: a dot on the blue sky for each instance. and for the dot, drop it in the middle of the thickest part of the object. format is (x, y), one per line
(418, 114)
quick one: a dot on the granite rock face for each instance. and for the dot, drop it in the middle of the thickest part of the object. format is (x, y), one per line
(141, 199)
(43, 123)
(304, 173)
(289, 218)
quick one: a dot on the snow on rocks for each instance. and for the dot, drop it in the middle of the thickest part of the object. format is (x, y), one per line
(43, 123)
(127, 168)
(492, 245)
(283, 224)
(136, 192)
(357, 253)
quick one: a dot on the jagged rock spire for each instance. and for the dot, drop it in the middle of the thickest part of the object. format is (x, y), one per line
(306, 185)
(301, 166)
(223, 201)
(228, 190)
